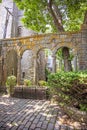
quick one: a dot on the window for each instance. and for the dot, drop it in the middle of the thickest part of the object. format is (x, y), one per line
(12, 71)
(23, 74)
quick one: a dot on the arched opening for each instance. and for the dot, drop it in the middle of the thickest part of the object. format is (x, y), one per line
(60, 60)
(27, 65)
(11, 63)
(44, 64)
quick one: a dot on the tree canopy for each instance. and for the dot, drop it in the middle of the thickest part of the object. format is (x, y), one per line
(38, 14)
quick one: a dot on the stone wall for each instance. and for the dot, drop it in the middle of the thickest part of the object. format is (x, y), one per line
(35, 67)
(34, 64)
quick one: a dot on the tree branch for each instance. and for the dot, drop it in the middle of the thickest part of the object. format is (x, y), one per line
(56, 15)
(50, 3)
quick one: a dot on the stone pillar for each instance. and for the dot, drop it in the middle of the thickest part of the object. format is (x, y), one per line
(75, 63)
(19, 70)
(41, 65)
(4, 73)
(54, 64)
(0, 71)
(35, 70)
(82, 54)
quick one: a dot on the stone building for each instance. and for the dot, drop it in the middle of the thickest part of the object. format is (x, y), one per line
(10, 21)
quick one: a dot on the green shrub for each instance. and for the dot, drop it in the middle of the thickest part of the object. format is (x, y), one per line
(70, 88)
(42, 83)
(10, 83)
(47, 73)
(27, 82)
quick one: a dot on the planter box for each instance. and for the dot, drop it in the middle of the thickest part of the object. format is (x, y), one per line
(18, 92)
(31, 93)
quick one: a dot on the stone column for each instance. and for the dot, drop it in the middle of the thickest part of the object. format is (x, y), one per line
(19, 70)
(75, 63)
(82, 54)
(54, 64)
(35, 70)
(4, 70)
(0, 71)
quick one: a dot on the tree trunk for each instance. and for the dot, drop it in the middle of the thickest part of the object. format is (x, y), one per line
(67, 62)
(85, 18)
(57, 17)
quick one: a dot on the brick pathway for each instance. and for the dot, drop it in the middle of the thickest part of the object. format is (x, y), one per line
(26, 114)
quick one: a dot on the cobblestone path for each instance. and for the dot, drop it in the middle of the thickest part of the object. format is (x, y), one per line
(26, 114)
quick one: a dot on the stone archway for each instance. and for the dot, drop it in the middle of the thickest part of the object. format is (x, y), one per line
(41, 63)
(73, 53)
(40, 41)
(27, 65)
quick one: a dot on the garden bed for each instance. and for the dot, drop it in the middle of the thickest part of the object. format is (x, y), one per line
(76, 114)
(72, 112)
(69, 90)
(31, 92)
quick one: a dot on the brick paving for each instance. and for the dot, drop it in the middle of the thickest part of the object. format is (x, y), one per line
(26, 114)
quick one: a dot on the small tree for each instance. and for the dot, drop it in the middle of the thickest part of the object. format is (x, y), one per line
(10, 83)
(27, 82)
(42, 83)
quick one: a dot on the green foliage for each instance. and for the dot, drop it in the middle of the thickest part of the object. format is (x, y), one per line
(10, 83)
(70, 87)
(37, 15)
(73, 13)
(47, 73)
(42, 83)
(83, 107)
(27, 82)
(62, 79)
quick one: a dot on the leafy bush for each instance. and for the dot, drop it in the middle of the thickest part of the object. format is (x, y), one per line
(10, 83)
(42, 83)
(70, 88)
(27, 82)
(47, 73)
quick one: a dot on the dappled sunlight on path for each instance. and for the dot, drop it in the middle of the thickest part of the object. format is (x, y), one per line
(26, 114)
